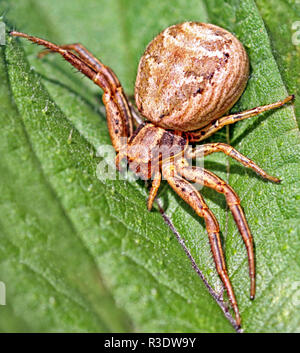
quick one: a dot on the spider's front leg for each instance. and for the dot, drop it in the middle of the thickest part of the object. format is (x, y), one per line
(209, 148)
(206, 178)
(192, 197)
(118, 113)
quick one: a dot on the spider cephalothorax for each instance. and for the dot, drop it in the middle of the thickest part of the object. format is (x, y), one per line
(189, 76)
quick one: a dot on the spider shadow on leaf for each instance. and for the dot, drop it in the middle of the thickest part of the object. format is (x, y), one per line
(234, 169)
(70, 90)
(251, 127)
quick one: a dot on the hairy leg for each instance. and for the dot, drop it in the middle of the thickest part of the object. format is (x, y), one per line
(118, 113)
(192, 197)
(209, 148)
(210, 129)
(154, 188)
(96, 64)
(206, 178)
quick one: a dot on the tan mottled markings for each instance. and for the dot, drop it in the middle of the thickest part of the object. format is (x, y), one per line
(190, 74)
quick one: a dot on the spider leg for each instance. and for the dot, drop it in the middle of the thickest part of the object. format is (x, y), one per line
(209, 148)
(96, 64)
(154, 188)
(206, 178)
(211, 128)
(118, 113)
(137, 118)
(82, 52)
(192, 197)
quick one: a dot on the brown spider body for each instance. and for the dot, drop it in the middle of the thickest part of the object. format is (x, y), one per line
(190, 74)
(188, 77)
(149, 147)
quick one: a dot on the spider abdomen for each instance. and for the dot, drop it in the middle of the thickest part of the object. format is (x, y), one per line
(190, 74)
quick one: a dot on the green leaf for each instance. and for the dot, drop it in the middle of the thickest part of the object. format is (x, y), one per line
(81, 254)
(285, 41)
